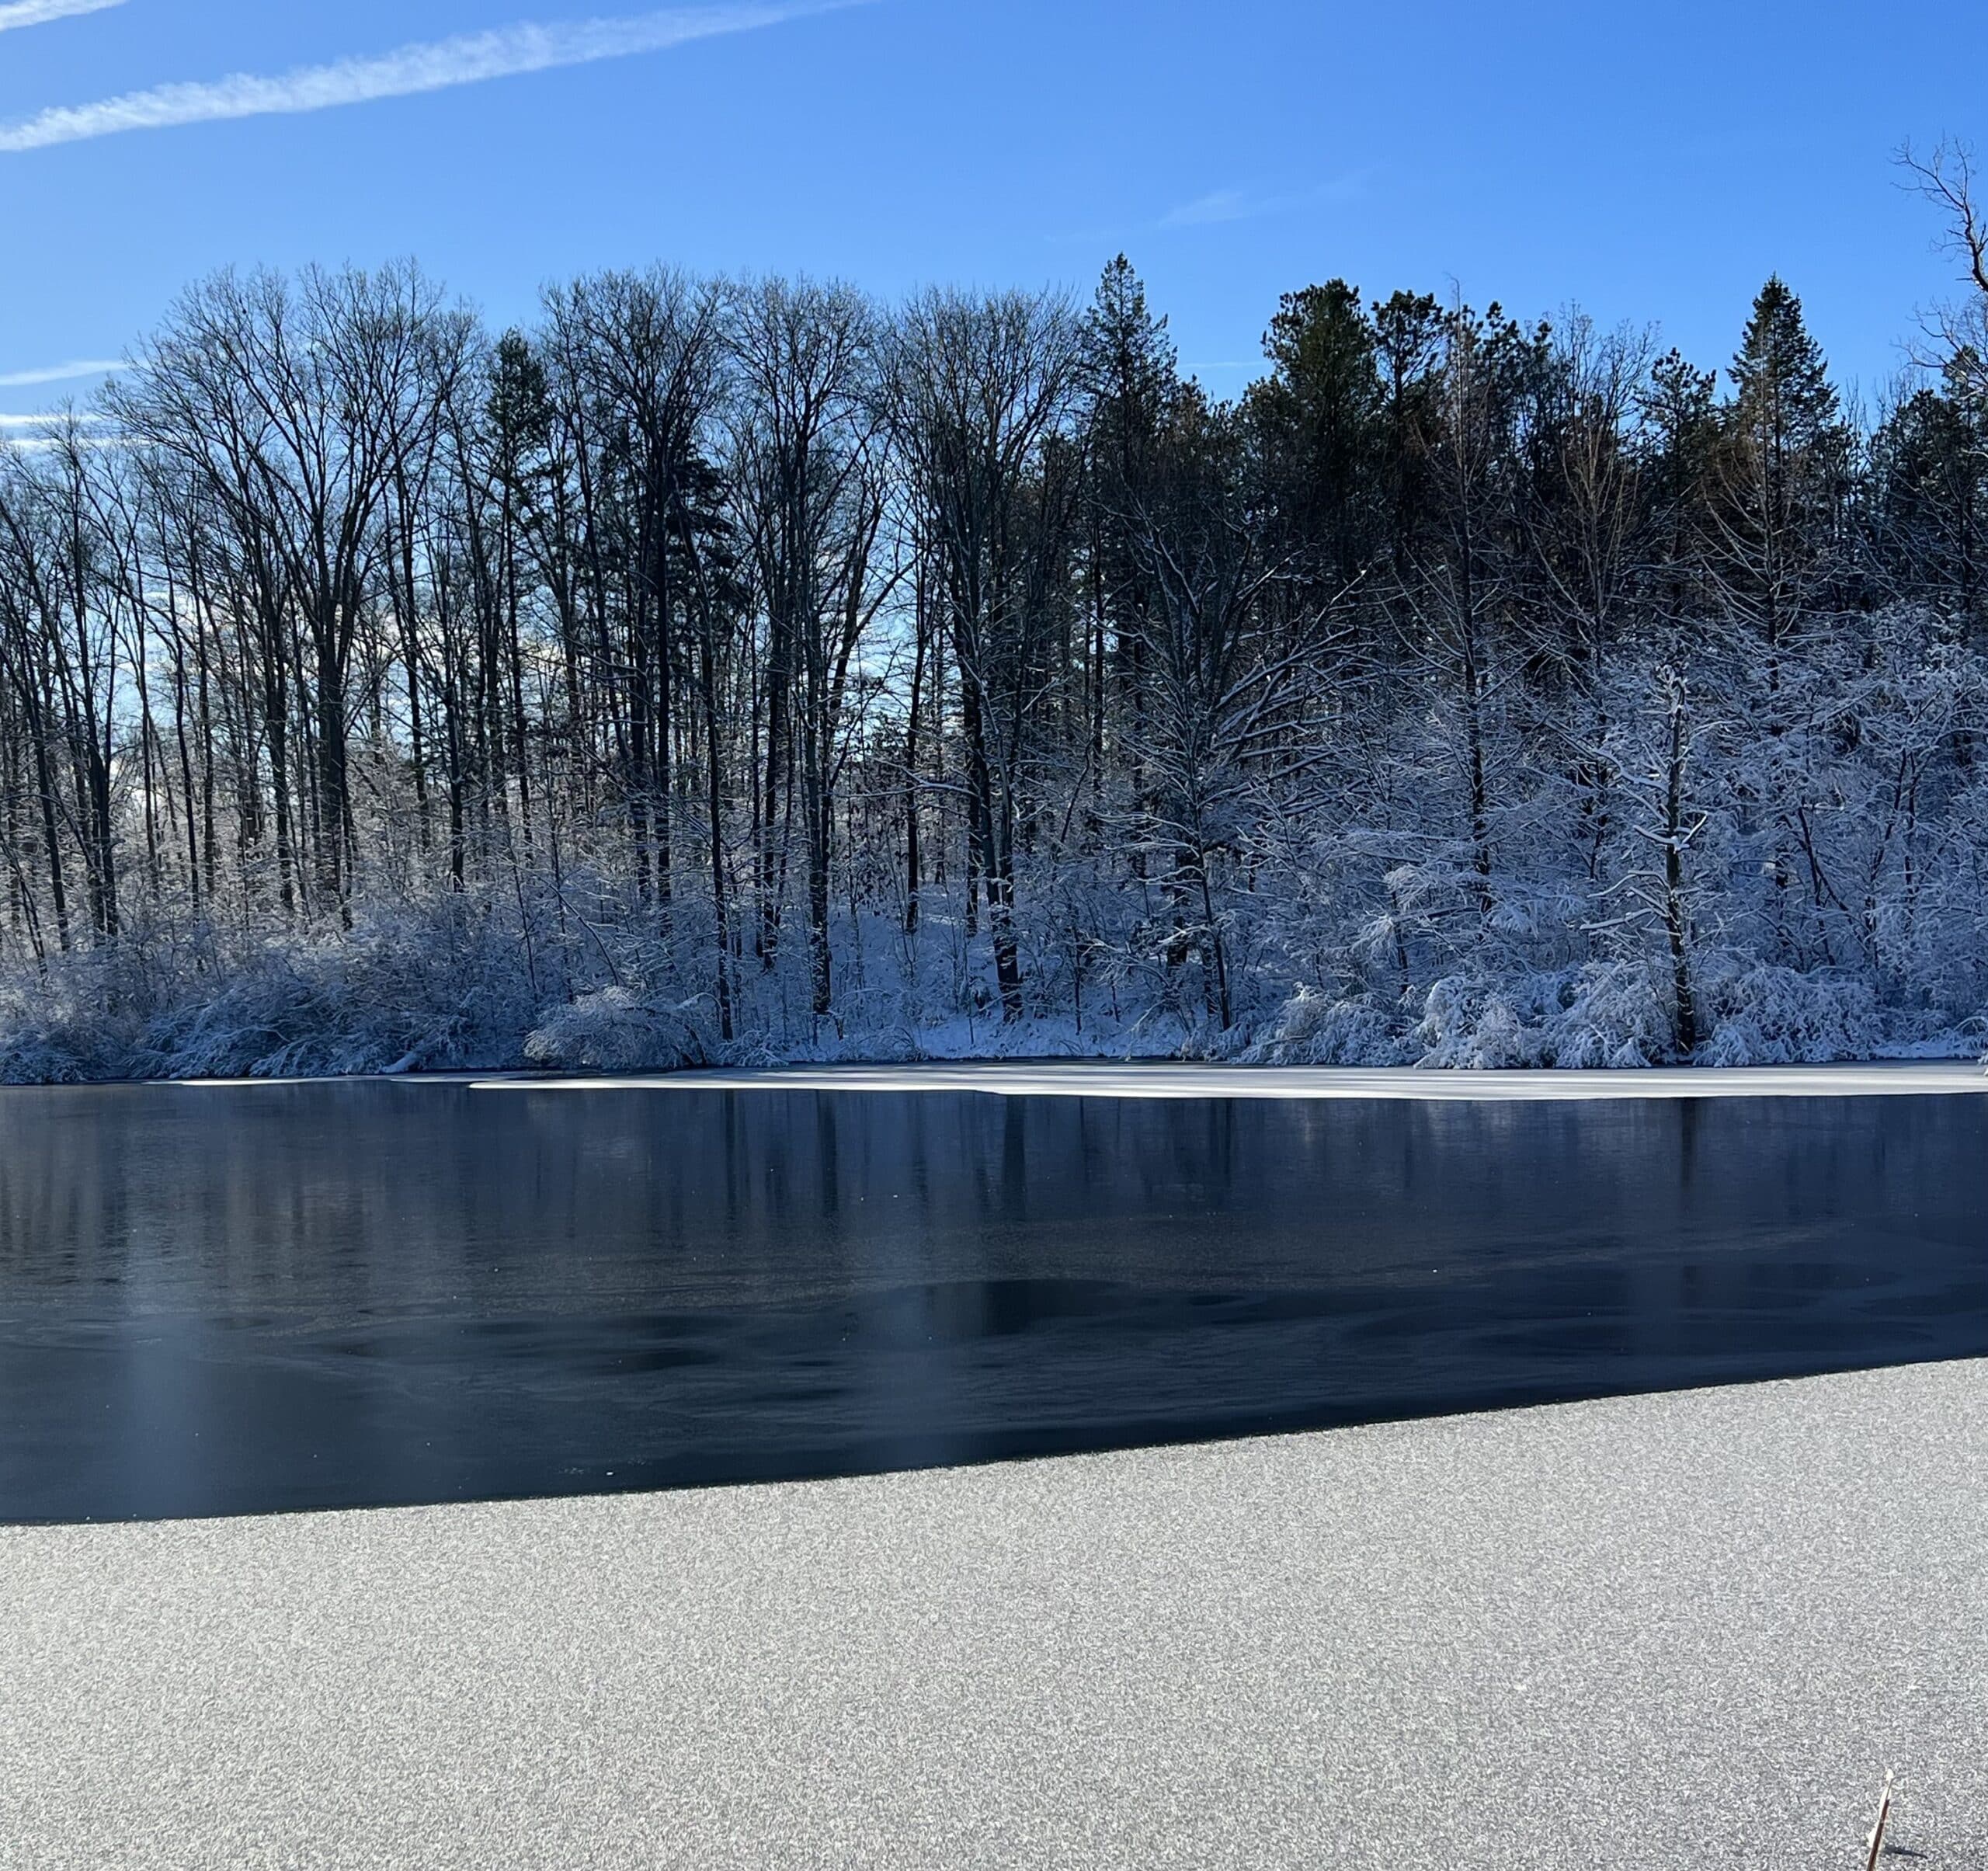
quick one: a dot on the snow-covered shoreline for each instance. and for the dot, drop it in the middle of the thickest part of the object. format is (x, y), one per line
(453, 989)
(1176, 1079)
(1158, 1079)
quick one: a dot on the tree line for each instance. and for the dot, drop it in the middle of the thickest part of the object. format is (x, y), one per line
(799, 668)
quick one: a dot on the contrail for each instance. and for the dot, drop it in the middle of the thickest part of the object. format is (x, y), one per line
(38, 13)
(468, 59)
(61, 372)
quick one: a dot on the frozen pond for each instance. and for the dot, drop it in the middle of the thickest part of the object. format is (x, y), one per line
(221, 1300)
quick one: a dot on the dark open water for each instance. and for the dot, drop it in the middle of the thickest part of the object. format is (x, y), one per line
(217, 1300)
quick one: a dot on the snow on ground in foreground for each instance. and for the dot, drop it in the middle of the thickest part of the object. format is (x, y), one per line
(1064, 1079)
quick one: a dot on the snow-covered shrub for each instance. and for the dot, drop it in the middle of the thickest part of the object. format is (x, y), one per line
(58, 1031)
(1613, 1014)
(1470, 1025)
(1311, 1029)
(1760, 1015)
(1606, 1015)
(443, 985)
(614, 1029)
(437, 991)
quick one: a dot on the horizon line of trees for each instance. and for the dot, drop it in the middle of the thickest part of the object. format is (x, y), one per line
(750, 640)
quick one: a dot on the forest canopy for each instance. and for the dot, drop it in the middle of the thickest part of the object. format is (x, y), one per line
(749, 669)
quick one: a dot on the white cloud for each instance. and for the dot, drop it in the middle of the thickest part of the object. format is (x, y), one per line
(1221, 205)
(38, 13)
(1206, 210)
(49, 444)
(60, 373)
(469, 59)
(40, 418)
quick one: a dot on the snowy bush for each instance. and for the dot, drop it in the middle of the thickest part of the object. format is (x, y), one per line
(1311, 1029)
(1612, 1014)
(616, 1030)
(446, 987)
(1605, 1014)
(1759, 1014)
(52, 1034)
(314, 1012)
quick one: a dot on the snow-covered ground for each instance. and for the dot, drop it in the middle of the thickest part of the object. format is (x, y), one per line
(1666, 1631)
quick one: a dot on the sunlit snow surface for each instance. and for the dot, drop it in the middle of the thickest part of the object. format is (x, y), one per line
(1064, 1078)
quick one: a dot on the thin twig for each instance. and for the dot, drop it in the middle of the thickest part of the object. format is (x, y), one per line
(1878, 1830)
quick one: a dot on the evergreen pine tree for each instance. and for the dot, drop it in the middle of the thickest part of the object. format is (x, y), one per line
(1129, 375)
(1782, 390)
(1680, 429)
(1783, 470)
(1929, 497)
(1318, 416)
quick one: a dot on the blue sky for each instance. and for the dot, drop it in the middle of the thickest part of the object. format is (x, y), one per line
(1649, 164)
